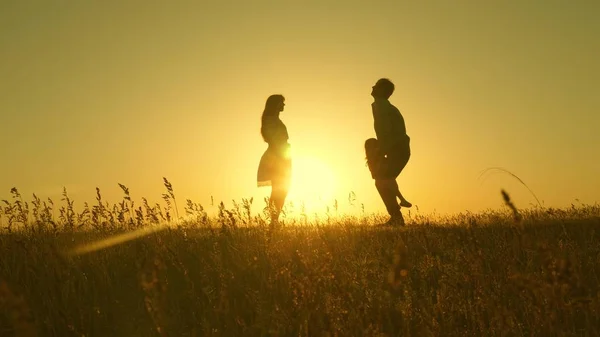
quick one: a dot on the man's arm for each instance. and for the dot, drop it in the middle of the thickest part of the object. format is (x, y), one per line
(383, 127)
(400, 125)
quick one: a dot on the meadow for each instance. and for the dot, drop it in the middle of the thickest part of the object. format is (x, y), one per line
(507, 272)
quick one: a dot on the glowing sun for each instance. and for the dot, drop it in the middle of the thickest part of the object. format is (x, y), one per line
(313, 182)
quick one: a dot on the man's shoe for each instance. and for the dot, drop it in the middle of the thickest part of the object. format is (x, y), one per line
(394, 221)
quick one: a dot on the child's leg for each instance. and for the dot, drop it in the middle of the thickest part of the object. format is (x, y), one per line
(403, 201)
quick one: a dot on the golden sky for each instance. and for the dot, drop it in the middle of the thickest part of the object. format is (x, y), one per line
(95, 93)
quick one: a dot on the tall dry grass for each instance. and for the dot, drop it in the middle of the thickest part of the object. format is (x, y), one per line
(511, 272)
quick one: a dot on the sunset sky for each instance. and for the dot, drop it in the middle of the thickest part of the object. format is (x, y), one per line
(95, 93)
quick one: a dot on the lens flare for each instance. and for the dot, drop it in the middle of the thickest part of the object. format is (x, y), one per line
(115, 240)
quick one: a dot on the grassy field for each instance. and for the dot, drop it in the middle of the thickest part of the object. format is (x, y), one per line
(500, 273)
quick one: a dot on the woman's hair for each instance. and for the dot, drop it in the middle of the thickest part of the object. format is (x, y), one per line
(371, 149)
(272, 105)
(271, 109)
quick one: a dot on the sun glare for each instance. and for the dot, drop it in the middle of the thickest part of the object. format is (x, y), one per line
(313, 183)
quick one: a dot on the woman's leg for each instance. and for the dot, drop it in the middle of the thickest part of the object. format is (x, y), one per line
(279, 192)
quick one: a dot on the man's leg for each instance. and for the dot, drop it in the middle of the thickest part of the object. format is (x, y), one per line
(397, 162)
(387, 192)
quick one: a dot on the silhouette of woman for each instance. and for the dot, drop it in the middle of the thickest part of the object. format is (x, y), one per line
(275, 164)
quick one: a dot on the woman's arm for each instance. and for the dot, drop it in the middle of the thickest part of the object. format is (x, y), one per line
(274, 132)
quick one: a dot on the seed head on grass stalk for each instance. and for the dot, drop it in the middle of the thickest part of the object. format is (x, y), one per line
(21, 207)
(516, 215)
(35, 210)
(503, 170)
(127, 197)
(68, 212)
(8, 212)
(98, 211)
(247, 206)
(171, 195)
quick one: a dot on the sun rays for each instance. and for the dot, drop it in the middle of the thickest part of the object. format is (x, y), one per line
(313, 183)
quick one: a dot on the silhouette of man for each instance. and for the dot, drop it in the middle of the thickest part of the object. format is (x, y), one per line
(394, 144)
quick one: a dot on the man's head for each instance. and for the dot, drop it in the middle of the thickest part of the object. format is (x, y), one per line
(384, 88)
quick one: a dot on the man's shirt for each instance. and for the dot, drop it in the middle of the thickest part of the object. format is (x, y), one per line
(389, 124)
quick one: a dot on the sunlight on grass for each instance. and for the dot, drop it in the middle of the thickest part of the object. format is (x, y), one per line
(115, 239)
(171, 270)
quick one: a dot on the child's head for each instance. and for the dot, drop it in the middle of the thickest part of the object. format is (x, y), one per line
(371, 149)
